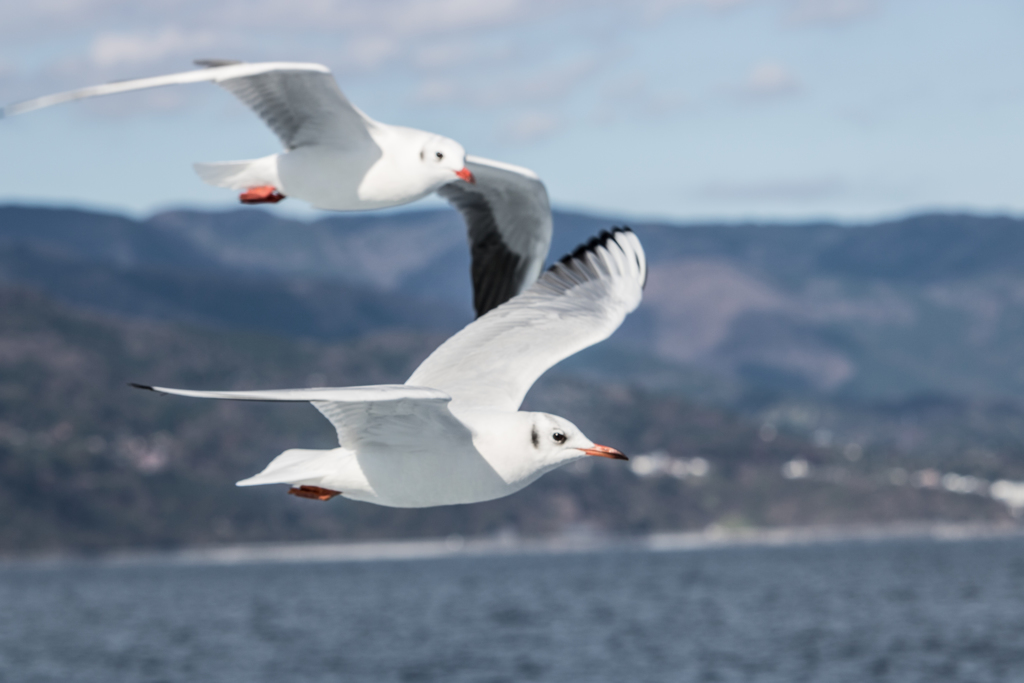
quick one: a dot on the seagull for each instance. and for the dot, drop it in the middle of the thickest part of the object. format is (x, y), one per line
(453, 433)
(339, 159)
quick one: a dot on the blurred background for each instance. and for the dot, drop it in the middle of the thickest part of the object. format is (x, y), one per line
(677, 109)
(827, 191)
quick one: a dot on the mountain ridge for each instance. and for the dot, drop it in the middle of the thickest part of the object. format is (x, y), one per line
(866, 360)
(88, 463)
(866, 311)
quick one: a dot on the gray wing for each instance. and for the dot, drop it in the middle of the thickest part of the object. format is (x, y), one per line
(394, 414)
(579, 301)
(300, 102)
(508, 217)
(302, 106)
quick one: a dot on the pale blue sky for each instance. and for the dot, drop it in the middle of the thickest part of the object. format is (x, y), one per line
(685, 109)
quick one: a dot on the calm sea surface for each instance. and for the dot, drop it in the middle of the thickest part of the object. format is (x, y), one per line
(882, 611)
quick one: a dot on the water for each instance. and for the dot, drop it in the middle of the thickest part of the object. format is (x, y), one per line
(888, 611)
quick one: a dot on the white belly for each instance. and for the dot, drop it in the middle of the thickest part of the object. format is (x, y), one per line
(418, 479)
(335, 179)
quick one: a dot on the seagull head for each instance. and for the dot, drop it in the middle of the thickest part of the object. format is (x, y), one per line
(555, 441)
(445, 158)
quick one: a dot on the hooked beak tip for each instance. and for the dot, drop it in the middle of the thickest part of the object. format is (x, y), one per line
(604, 452)
(466, 175)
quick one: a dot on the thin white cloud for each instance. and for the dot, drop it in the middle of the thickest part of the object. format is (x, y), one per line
(347, 20)
(509, 88)
(357, 18)
(786, 190)
(468, 52)
(418, 18)
(442, 55)
(830, 11)
(547, 84)
(532, 127)
(633, 95)
(656, 9)
(770, 79)
(366, 53)
(115, 49)
(436, 91)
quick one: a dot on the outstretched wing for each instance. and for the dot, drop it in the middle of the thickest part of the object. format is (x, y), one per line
(384, 414)
(509, 221)
(300, 102)
(578, 302)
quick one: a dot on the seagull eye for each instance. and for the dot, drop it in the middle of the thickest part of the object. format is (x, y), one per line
(439, 156)
(559, 437)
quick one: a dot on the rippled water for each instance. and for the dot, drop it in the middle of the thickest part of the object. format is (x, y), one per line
(889, 611)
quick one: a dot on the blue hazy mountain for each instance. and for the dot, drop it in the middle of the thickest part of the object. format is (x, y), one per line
(899, 340)
(927, 304)
(87, 462)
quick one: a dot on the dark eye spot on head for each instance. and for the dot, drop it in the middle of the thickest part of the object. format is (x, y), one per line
(439, 155)
(559, 437)
(535, 437)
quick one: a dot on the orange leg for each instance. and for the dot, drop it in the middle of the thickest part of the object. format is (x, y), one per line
(264, 194)
(313, 492)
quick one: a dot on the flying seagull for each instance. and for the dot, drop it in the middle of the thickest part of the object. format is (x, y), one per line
(453, 433)
(339, 159)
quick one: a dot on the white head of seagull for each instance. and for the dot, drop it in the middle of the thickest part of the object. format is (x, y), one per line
(453, 433)
(443, 157)
(525, 445)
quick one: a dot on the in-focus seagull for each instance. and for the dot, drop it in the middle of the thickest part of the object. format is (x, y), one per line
(453, 433)
(339, 159)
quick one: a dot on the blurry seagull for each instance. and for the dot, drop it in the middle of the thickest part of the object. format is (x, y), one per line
(453, 433)
(339, 159)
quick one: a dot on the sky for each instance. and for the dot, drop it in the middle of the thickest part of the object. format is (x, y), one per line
(669, 109)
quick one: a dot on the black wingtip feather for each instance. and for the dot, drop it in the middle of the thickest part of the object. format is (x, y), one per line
(599, 241)
(141, 386)
(213, 63)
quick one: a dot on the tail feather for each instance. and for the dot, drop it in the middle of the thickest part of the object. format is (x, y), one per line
(296, 466)
(240, 175)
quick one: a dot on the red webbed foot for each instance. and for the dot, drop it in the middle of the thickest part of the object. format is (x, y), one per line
(313, 492)
(264, 194)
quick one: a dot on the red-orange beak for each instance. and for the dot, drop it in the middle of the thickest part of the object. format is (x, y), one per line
(604, 452)
(466, 175)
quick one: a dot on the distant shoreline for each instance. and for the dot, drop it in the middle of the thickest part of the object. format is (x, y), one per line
(509, 544)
